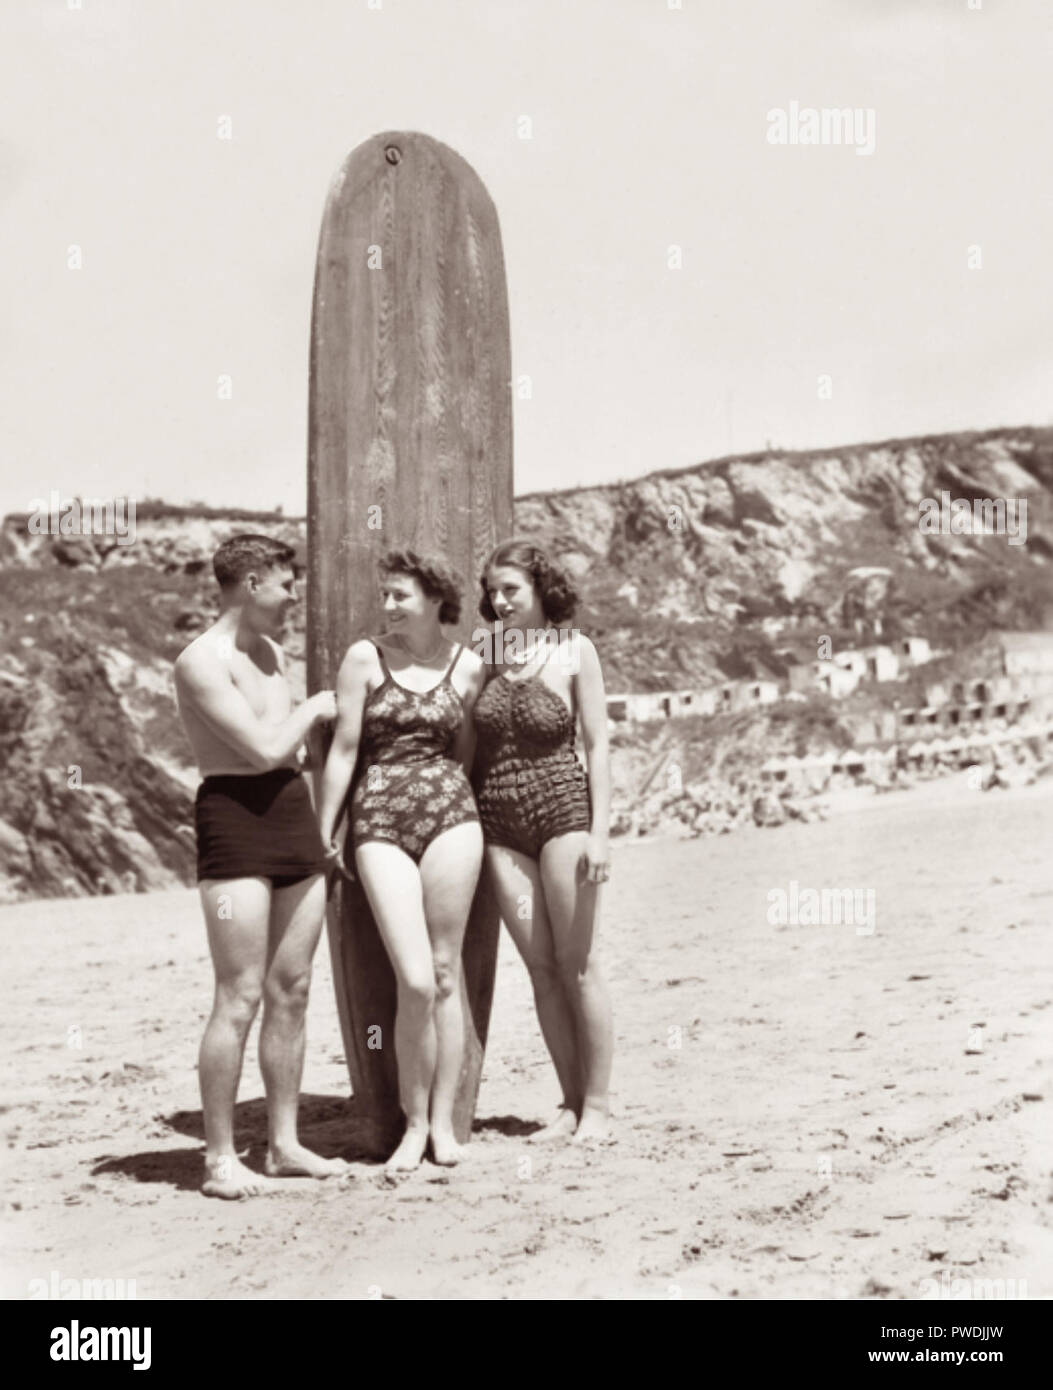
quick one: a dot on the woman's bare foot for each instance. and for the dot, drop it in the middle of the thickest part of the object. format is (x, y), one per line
(594, 1127)
(226, 1176)
(445, 1149)
(562, 1127)
(410, 1152)
(297, 1162)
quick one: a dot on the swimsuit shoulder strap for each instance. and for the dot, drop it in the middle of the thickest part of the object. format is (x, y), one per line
(549, 649)
(453, 663)
(383, 659)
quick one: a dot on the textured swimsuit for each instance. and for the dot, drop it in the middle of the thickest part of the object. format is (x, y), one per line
(410, 788)
(528, 783)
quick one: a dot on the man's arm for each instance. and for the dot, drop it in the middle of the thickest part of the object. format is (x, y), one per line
(204, 685)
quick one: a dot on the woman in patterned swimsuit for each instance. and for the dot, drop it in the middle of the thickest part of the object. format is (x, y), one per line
(414, 825)
(546, 823)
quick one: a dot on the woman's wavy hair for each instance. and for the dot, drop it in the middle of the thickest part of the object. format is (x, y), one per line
(559, 598)
(435, 578)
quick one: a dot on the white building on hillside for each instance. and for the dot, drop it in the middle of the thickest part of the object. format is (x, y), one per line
(1026, 652)
(853, 661)
(643, 705)
(882, 663)
(731, 697)
(916, 650)
(837, 678)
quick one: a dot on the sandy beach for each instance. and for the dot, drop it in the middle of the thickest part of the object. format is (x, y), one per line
(801, 1111)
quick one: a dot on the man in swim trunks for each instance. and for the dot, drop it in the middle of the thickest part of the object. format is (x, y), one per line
(260, 858)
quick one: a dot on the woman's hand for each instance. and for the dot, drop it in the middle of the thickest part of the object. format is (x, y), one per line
(334, 859)
(596, 860)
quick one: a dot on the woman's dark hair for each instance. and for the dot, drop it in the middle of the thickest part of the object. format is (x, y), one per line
(436, 579)
(559, 598)
(242, 555)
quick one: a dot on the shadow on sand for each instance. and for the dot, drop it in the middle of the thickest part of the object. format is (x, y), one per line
(328, 1125)
(179, 1168)
(510, 1125)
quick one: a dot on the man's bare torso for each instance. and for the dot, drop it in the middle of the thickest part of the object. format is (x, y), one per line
(259, 675)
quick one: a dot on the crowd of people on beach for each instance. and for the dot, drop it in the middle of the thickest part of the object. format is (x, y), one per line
(443, 764)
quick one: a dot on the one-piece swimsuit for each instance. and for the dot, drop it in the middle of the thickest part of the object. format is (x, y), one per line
(410, 788)
(529, 785)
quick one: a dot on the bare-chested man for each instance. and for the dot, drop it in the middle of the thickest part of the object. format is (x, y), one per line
(260, 857)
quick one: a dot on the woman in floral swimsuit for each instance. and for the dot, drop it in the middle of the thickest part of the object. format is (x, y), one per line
(545, 822)
(405, 698)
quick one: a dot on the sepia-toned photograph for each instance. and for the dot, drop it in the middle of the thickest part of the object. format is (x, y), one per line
(526, 659)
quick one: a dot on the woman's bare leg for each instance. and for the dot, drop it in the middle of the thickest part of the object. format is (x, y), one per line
(392, 884)
(449, 871)
(572, 904)
(521, 902)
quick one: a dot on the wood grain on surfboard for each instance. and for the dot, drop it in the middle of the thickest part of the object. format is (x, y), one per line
(409, 442)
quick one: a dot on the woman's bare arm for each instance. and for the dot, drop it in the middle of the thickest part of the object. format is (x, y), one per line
(352, 687)
(464, 748)
(592, 706)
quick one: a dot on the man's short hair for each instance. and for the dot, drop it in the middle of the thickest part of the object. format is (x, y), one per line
(241, 555)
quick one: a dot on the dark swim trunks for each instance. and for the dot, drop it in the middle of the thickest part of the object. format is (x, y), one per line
(411, 788)
(529, 785)
(257, 825)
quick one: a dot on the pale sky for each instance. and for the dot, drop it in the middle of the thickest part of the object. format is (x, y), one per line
(649, 130)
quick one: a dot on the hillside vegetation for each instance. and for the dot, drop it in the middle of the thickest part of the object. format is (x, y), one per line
(730, 568)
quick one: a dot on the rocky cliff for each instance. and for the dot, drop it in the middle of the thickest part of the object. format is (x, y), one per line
(733, 567)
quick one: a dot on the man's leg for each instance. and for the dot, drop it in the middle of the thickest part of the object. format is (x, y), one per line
(236, 915)
(296, 922)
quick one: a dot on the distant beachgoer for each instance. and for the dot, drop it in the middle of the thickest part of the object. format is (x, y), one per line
(415, 829)
(545, 821)
(260, 859)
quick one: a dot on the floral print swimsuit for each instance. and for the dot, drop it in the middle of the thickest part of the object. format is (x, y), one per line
(410, 788)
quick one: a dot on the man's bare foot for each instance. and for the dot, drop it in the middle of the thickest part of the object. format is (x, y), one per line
(562, 1127)
(410, 1152)
(226, 1176)
(297, 1162)
(445, 1149)
(593, 1128)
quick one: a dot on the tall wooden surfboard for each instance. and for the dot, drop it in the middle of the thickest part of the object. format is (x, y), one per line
(409, 442)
